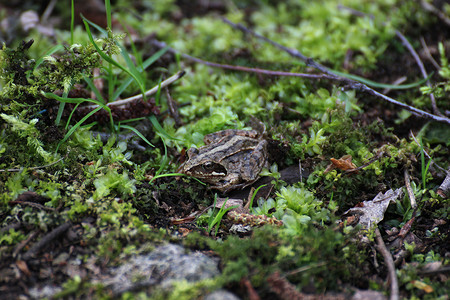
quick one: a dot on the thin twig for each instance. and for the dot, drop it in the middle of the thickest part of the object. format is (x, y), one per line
(428, 53)
(25, 242)
(33, 168)
(389, 263)
(396, 82)
(173, 109)
(426, 153)
(152, 91)
(48, 11)
(419, 62)
(429, 7)
(366, 164)
(437, 271)
(408, 46)
(412, 198)
(160, 44)
(351, 83)
(47, 239)
(31, 204)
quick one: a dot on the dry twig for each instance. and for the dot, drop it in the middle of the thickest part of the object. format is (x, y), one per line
(47, 239)
(389, 263)
(286, 290)
(426, 153)
(32, 204)
(152, 91)
(428, 53)
(350, 82)
(410, 48)
(419, 62)
(429, 7)
(33, 168)
(412, 198)
(173, 108)
(160, 44)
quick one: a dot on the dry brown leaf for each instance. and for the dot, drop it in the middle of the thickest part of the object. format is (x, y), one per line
(344, 163)
(22, 265)
(371, 212)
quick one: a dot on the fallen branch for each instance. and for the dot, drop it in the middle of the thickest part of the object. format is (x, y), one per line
(389, 263)
(411, 50)
(46, 240)
(350, 82)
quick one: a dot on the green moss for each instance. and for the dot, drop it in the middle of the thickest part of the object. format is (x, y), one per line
(318, 252)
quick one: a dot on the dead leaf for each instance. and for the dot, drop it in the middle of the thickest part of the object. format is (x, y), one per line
(344, 163)
(423, 286)
(372, 212)
(182, 221)
(22, 265)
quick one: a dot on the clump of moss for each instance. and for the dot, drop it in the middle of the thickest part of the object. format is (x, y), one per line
(322, 254)
(24, 79)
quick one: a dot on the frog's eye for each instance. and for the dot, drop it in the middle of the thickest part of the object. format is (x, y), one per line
(208, 165)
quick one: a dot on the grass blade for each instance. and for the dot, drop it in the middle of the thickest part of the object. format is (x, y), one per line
(110, 60)
(149, 61)
(78, 124)
(138, 133)
(161, 130)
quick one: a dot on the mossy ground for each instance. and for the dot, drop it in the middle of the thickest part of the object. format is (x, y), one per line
(123, 196)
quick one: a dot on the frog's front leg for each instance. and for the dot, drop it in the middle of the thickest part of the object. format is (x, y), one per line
(254, 162)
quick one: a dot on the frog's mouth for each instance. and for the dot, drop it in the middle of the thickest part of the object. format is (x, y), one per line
(208, 170)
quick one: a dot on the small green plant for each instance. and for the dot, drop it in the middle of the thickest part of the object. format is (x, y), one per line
(11, 237)
(424, 166)
(216, 218)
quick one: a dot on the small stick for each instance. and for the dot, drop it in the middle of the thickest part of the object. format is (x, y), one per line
(367, 163)
(152, 91)
(389, 263)
(160, 44)
(412, 198)
(32, 204)
(25, 242)
(47, 239)
(351, 83)
(426, 153)
(419, 62)
(428, 53)
(33, 168)
(429, 7)
(410, 48)
(173, 109)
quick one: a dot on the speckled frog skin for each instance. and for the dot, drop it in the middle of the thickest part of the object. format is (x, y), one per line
(230, 159)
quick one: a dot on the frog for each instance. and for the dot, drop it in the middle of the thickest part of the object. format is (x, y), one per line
(231, 159)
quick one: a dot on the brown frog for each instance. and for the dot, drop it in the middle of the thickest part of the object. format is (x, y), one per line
(230, 159)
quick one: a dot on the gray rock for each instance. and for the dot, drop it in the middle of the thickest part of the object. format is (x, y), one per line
(161, 267)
